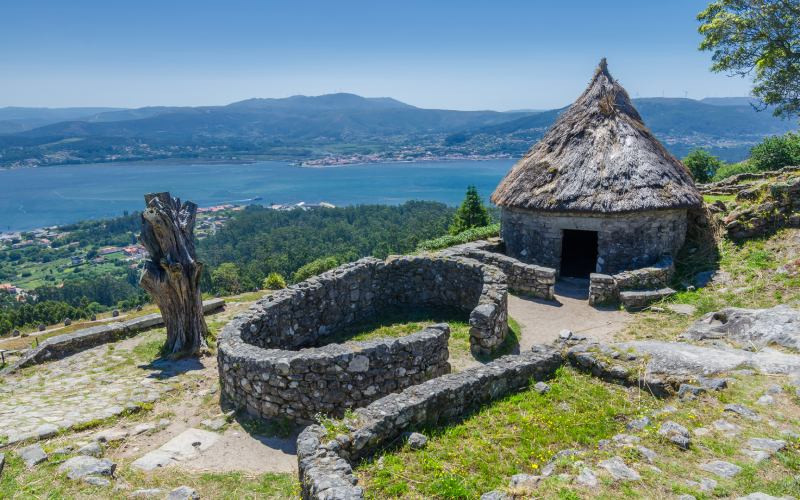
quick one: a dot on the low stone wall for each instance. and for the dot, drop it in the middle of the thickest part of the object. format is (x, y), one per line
(327, 380)
(61, 346)
(326, 462)
(779, 208)
(522, 277)
(273, 338)
(606, 289)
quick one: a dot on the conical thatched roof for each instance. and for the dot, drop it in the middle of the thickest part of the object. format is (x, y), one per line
(598, 157)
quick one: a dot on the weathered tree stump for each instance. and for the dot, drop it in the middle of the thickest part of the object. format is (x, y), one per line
(172, 273)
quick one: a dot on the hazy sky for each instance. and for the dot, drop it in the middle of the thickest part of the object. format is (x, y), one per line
(431, 53)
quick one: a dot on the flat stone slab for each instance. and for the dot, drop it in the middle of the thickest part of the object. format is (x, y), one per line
(618, 470)
(82, 466)
(32, 455)
(771, 445)
(678, 358)
(185, 446)
(721, 468)
(779, 325)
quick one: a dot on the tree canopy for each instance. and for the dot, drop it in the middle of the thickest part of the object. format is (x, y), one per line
(759, 38)
(471, 213)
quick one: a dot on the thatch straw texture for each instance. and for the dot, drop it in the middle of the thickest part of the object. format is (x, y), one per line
(598, 157)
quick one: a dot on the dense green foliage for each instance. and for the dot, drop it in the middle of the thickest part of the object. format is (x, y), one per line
(759, 37)
(730, 169)
(274, 281)
(702, 165)
(471, 213)
(315, 267)
(476, 233)
(776, 152)
(261, 241)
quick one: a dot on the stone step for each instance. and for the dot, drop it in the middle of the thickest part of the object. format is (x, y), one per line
(634, 300)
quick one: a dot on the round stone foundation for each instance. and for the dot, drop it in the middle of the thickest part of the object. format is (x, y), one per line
(274, 361)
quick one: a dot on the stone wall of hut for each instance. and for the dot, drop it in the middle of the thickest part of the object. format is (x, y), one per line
(624, 241)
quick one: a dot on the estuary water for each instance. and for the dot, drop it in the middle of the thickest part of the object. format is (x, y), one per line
(38, 197)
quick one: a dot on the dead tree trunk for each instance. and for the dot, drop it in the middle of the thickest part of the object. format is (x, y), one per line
(172, 273)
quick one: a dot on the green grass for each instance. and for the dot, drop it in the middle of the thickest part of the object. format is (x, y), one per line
(401, 323)
(725, 198)
(517, 434)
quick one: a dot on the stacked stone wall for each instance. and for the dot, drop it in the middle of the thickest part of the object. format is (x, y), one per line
(606, 289)
(624, 241)
(326, 462)
(523, 278)
(274, 361)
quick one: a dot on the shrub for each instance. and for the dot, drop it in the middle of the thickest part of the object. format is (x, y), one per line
(274, 282)
(730, 169)
(476, 233)
(314, 268)
(776, 152)
(702, 165)
(226, 279)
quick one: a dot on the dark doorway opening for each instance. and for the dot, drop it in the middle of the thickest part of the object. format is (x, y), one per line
(578, 253)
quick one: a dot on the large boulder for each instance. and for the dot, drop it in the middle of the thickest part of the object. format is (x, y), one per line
(779, 325)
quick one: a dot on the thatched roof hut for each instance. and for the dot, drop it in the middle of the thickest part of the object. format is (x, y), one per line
(597, 170)
(598, 157)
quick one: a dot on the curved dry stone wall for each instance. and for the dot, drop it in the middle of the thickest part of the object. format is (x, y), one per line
(274, 361)
(326, 461)
(528, 279)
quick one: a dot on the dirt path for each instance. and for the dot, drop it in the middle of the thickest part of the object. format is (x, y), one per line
(542, 320)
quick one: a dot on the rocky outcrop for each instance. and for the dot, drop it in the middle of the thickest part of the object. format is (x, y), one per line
(326, 456)
(67, 344)
(662, 367)
(779, 325)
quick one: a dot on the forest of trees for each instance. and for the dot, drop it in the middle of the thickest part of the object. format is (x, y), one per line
(259, 241)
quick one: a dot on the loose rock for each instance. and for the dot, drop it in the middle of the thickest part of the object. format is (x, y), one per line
(743, 411)
(618, 470)
(147, 493)
(726, 427)
(93, 449)
(417, 441)
(721, 468)
(647, 453)
(772, 445)
(32, 455)
(96, 481)
(527, 481)
(587, 478)
(495, 495)
(676, 433)
(82, 466)
(541, 387)
(183, 493)
(638, 424)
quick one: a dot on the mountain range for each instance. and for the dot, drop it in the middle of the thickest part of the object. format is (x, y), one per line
(304, 128)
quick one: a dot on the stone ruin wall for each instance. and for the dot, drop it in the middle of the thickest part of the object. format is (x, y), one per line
(523, 278)
(326, 465)
(606, 288)
(271, 362)
(624, 241)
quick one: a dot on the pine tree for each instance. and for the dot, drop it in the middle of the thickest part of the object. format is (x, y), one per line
(471, 213)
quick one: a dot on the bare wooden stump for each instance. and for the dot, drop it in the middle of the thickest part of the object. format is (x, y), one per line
(172, 273)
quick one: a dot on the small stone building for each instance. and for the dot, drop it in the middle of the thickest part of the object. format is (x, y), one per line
(598, 193)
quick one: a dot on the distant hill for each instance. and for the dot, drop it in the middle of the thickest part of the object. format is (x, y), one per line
(308, 127)
(18, 119)
(726, 128)
(729, 101)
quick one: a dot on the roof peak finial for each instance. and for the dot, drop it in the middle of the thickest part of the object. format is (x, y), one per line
(603, 66)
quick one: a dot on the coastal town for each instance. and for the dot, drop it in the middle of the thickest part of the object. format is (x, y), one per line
(52, 253)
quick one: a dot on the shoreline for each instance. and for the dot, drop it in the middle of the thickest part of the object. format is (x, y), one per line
(288, 162)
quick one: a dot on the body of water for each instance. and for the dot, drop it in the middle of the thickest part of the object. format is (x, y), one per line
(38, 197)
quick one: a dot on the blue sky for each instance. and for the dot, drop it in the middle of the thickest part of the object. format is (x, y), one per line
(444, 54)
